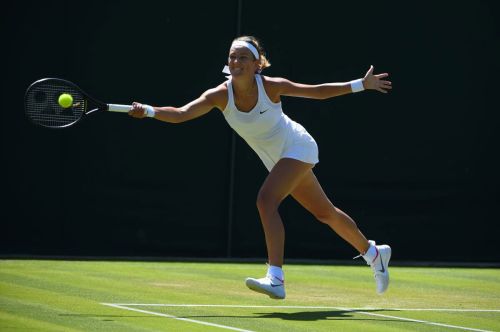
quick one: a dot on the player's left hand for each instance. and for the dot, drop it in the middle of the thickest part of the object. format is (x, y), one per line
(375, 82)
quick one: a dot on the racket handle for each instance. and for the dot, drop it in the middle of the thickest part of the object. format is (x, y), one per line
(119, 108)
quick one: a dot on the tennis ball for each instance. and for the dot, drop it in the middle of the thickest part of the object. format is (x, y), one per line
(65, 100)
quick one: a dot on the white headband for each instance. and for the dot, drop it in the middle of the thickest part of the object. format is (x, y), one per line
(247, 45)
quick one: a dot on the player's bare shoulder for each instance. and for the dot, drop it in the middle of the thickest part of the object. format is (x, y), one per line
(217, 96)
(273, 87)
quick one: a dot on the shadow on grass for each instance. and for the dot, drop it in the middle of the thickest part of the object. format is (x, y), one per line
(307, 316)
(304, 315)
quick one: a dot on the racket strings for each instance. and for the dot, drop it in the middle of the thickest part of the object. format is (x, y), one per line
(42, 107)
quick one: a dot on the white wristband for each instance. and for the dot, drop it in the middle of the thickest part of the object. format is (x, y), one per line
(149, 111)
(357, 85)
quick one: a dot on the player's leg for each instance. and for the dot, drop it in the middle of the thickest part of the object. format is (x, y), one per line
(282, 179)
(311, 196)
(280, 182)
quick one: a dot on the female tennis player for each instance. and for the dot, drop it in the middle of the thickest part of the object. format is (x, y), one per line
(251, 104)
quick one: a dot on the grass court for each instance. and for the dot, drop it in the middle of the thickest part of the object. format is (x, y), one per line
(57, 295)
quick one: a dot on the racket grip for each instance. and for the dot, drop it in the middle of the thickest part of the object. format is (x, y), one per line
(119, 108)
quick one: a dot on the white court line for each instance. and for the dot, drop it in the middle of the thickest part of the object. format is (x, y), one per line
(422, 321)
(175, 317)
(302, 307)
(357, 310)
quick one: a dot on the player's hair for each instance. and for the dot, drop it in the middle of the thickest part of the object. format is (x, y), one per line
(264, 62)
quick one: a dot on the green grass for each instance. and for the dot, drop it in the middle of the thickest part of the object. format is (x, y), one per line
(68, 295)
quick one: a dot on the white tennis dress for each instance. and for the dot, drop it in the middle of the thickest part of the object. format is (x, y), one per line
(269, 131)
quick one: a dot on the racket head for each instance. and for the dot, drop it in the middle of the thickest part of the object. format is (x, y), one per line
(41, 104)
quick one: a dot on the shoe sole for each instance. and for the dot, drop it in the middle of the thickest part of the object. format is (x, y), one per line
(255, 287)
(386, 267)
(388, 258)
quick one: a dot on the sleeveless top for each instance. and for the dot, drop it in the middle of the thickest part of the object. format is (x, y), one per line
(269, 131)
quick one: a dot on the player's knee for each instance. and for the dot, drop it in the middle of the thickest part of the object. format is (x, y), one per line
(267, 202)
(326, 215)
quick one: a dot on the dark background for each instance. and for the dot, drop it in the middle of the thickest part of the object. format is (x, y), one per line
(417, 168)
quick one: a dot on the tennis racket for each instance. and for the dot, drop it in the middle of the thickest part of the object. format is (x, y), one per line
(42, 107)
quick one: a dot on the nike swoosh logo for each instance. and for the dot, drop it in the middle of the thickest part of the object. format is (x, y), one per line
(262, 112)
(276, 285)
(382, 263)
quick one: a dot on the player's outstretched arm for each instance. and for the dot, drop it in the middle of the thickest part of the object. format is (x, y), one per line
(205, 103)
(329, 90)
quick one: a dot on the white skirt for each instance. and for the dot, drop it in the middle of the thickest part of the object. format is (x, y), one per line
(294, 142)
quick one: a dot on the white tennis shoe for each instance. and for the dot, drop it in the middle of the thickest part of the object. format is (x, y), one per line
(270, 285)
(380, 266)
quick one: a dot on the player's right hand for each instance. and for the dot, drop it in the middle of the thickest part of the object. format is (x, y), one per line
(138, 110)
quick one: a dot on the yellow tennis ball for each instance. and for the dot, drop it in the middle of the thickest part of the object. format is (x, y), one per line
(65, 100)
